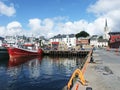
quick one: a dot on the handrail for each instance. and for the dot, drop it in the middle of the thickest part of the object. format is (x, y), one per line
(80, 73)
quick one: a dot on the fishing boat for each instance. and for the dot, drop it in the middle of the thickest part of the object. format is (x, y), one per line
(20, 47)
(23, 51)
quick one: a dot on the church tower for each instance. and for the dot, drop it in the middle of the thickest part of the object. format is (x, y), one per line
(106, 31)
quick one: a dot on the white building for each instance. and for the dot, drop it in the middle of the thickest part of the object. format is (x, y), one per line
(69, 40)
(95, 41)
(102, 43)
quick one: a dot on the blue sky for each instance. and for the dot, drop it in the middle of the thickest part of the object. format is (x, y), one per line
(25, 9)
(51, 17)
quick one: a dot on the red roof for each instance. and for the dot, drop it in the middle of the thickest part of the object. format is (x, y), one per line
(55, 42)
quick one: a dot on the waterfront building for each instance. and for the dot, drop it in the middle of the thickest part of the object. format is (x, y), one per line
(114, 40)
(63, 41)
(83, 41)
(102, 43)
(97, 42)
(94, 40)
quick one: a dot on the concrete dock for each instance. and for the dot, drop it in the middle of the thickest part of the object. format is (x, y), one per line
(104, 74)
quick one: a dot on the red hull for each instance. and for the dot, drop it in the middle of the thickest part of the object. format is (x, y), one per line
(19, 52)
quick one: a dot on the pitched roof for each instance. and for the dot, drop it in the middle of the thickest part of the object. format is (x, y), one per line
(102, 40)
(113, 33)
(1, 38)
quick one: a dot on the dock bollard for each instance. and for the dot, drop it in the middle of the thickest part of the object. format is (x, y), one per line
(91, 59)
(88, 88)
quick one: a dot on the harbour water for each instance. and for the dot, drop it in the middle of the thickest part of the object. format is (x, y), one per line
(37, 73)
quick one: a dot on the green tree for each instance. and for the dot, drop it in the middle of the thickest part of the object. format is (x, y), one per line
(100, 37)
(82, 34)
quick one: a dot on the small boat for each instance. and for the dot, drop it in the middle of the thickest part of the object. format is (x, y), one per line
(22, 52)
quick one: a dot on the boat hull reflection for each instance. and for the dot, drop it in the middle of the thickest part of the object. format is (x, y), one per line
(20, 60)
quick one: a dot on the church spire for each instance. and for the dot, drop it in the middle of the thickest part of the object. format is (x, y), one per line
(106, 30)
(106, 23)
(106, 26)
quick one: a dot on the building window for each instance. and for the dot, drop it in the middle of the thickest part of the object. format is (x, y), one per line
(67, 40)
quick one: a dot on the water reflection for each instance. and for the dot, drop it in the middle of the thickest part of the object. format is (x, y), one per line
(34, 68)
(15, 65)
(21, 60)
(37, 72)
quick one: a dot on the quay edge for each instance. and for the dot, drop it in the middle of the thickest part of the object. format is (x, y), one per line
(80, 53)
(78, 74)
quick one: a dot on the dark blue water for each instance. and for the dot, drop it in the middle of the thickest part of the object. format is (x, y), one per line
(36, 73)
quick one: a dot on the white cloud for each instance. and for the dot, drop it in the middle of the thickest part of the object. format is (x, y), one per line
(71, 27)
(14, 24)
(34, 24)
(2, 31)
(14, 28)
(7, 10)
(39, 27)
(107, 9)
(103, 9)
(96, 27)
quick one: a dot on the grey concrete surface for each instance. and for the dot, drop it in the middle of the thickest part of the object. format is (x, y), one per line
(104, 74)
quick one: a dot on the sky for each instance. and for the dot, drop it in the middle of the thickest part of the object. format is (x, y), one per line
(52, 17)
